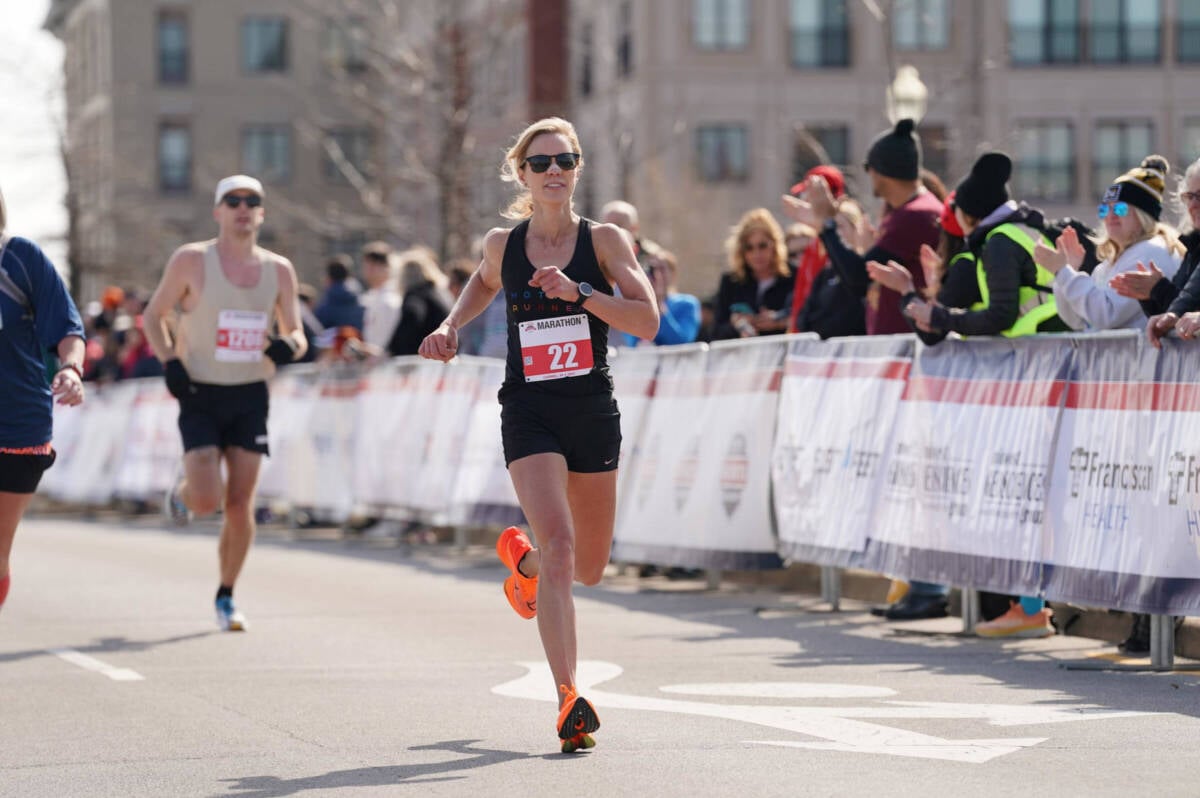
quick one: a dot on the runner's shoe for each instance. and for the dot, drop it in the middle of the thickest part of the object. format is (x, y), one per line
(4, 583)
(1017, 623)
(576, 721)
(173, 507)
(228, 617)
(577, 743)
(520, 590)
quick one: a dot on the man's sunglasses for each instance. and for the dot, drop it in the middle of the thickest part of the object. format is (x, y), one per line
(1188, 196)
(566, 161)
(1119, 209)
(232, 200)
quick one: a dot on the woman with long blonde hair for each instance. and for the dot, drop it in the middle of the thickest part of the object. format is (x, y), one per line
(559, 422)
(754, 296)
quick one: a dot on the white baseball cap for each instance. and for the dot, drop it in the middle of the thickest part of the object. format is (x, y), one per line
(235, 182)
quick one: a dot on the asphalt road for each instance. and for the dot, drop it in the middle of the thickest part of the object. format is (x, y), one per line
(375, 669)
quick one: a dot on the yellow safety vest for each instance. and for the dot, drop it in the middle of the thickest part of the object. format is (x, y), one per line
(1034, 306)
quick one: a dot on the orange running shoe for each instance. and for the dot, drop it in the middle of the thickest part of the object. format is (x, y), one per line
(576, 720)
(520, 590)
(577, 743)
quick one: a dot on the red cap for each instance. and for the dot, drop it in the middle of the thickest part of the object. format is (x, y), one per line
(830, 174)
(948, 221)
(112, 297)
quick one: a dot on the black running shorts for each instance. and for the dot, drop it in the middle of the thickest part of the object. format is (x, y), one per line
(586, 430)
(21, 473)
(225, 416)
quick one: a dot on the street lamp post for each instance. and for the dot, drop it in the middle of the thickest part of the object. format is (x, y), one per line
(906, 95)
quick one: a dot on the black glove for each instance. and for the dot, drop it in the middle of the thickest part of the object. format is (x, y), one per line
(281, 351)
(176, 377)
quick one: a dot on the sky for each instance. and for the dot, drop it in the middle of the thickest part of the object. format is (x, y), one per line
(31, 173)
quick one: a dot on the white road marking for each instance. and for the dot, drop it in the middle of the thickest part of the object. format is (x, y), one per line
(841, 727)
(781, 690)
(93, 664)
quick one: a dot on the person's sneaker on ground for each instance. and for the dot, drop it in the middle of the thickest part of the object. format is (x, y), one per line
(4, 584)
(914, 607)
(173, 507)
(1138, 641)
(1017, 623)
(228, 617)
(576, 721)
(520, 590)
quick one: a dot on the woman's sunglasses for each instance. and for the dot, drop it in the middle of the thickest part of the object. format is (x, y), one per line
(757, 246)
(1119, 209)
(566, 161)
(233, 201)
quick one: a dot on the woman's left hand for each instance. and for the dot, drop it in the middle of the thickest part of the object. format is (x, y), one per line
(554, 284)
(921, 312)
(67, 385)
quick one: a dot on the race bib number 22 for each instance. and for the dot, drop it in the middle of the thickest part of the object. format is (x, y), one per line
(555, 348)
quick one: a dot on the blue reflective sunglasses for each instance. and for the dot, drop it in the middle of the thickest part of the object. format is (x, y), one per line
(1119, 209)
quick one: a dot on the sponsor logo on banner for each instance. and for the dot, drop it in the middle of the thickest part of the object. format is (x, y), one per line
(1088, 470)
(1183, 476)
(685, 473)
(647, 471)
(931, 474)
(1013, 489)
(733, 474)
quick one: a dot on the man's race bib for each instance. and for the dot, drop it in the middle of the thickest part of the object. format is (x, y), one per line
(555, 348)
(241, 336)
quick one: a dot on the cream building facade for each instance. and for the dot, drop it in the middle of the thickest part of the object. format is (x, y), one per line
(698, 110)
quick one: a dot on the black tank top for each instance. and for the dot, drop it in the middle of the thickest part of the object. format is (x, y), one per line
(526, 303)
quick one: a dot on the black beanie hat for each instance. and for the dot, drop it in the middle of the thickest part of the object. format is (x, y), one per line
(1142, 187)
(897, 153)
(984, 190)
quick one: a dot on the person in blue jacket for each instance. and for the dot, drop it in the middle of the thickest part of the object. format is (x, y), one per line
(37, 315)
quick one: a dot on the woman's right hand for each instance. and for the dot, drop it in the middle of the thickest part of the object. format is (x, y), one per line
(1138, 284)
(1159, 326)
(441, 344)
(891, 275)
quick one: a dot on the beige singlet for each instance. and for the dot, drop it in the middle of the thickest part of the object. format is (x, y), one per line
(222, 341)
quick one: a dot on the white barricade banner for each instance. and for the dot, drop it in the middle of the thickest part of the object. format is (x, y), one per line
(702, 483)
(633, 372)
(69, 426)
(322, 476)
(1124, 509)
(444, 432)
(384, 441)
(152, 456)
(964, 493)
(837, 413)
(292, 392)
(91, 455)
(483, 493)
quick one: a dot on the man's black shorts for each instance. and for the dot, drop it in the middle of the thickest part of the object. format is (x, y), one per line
(21, 473)
(586, 430)
(224, 416)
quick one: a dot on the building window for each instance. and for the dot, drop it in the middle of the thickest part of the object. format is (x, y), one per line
(1043, 32)
(1187, 32)
(921, 24)
(265, 45)
(267, 152)
(1045, 162)
(817, 145)
(586, 56)
(174, 158)
(625, 40)
(346, 45)
(173, 55)
(1124, 32)
(1190, 143)
(720, 24)
(348, 151)
(1118, 147)
(820, 35)
(722, 153)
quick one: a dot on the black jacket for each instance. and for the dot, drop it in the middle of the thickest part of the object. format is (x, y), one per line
(1180, 294)
(421, 311)
(731, 292)
(832, 310)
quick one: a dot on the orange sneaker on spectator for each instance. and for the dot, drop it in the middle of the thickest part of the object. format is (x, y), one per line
(520, 590)
(1017, 623)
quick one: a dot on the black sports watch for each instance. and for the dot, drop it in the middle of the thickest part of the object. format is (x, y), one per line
(585, 293)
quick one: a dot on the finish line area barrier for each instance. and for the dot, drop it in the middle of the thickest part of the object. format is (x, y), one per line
(1061, 466)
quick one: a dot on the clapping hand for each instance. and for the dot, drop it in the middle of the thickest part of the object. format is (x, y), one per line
(1158, 326)
(891, 275)
(1137, 284)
